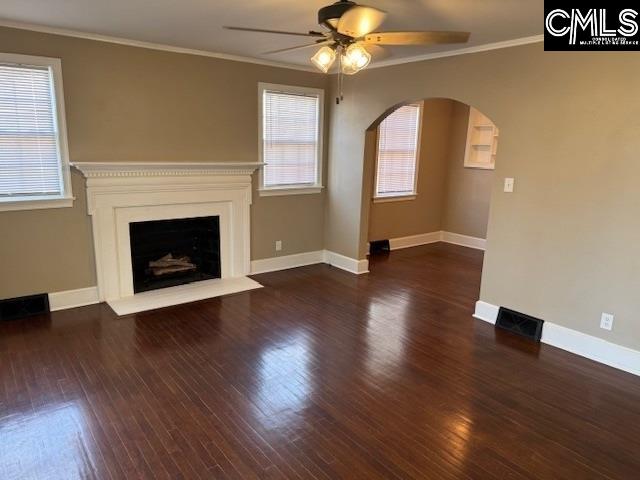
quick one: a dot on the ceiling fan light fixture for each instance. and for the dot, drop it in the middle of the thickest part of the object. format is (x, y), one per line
(349, 28)
(324, 58)
(329, 16)
(354, 59)
(333, 22)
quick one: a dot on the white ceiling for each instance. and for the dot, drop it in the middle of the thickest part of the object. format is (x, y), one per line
(197, 24)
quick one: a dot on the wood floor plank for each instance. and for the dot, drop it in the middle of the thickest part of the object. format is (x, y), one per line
(320, 375)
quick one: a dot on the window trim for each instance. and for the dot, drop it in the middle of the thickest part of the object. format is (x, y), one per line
(311, 188)
(401, 196)
(46, 201)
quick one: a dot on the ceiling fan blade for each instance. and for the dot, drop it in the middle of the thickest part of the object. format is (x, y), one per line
(415, 38)
(299, 47)
(359, 21)
(278, 32)
(377, 52)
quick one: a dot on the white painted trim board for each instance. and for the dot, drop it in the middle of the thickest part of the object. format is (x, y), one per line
(348, 264)
(464, 240)
(286, 262)
(73, 298)
(576, 342)
(414, 240)
(351, 265)
(438, 236)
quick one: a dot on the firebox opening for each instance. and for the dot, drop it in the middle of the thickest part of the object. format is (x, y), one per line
(166, 253)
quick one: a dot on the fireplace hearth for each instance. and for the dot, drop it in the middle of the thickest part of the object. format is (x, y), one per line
(166, 253)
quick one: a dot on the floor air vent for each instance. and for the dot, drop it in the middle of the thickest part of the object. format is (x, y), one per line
(379, 246)
(519, 323)
(14, 308)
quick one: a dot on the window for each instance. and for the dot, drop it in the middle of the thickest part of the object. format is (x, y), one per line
(291, 139)
(34, 166)
(397, 154)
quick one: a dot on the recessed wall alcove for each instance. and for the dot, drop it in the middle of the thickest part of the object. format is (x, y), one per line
(428, 173)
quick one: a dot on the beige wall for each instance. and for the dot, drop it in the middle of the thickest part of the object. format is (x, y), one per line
(424, 213)
(132, 104)
(450, 197)
(468, 192)
(564, 245)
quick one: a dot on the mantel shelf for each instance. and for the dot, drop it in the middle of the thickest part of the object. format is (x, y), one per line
(171, 169)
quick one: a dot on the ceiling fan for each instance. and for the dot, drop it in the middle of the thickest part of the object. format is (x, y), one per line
(349, 36)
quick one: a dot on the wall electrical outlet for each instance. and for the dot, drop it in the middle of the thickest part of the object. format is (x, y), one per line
(508, 185)
(606, 321)
(278, 245)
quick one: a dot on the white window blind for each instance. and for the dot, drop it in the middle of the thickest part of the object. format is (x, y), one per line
(29, 151)
(398, 152)
(290, 138)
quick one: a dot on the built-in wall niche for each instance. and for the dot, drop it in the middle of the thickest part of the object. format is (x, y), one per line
(482, 141)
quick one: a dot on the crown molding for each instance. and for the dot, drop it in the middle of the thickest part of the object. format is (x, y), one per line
(257, 61)
(164, 169)
(150, 45)
(460, 51)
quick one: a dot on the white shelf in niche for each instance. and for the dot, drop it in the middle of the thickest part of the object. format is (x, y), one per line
(482, 141)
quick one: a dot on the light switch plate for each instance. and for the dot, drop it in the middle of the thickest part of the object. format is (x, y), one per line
(508, 185)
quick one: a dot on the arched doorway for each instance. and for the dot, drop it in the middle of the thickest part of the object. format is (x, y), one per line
(428, 175)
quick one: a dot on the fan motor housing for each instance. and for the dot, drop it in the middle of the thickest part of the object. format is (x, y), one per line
(333, 12)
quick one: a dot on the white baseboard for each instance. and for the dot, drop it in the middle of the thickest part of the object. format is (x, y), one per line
(415, 240)
(439, 236)
(349, 264)
(73, 298)
(464, 240)
(285, 262)
(579, 343)
(486, 312)
(337, 260)
(593, 348)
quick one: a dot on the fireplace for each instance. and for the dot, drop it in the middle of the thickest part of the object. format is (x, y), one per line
(165, 216)
(166, 253)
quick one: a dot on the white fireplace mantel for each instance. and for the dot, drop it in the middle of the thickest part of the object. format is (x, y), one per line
(163, 169)
(121, 193)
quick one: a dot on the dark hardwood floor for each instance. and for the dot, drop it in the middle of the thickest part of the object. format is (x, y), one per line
(319, 375)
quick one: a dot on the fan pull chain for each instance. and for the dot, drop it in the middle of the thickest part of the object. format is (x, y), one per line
(340, 96)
